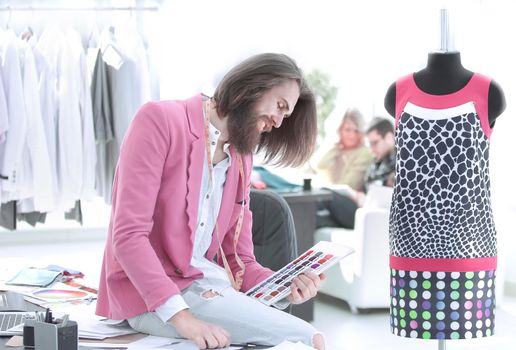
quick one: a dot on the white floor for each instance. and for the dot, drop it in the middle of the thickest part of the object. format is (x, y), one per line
(342, 329)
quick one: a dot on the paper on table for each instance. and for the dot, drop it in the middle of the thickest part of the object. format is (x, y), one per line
(121, 339)
(154, 342)
(15, 341)
(287, 345)
(103, 345)
(96, 329)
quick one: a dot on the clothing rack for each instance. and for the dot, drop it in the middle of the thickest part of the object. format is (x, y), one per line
(103, 8)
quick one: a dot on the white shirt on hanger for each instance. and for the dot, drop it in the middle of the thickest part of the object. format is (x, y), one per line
(4, 120)
(36, 162)
(89, 156)
(47, 96)
(61, 55)
(11, 150)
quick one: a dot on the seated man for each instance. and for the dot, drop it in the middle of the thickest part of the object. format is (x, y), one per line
(181, 197)
(342, 208)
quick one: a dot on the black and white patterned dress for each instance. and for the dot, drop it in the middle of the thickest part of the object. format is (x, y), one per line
(442, 234)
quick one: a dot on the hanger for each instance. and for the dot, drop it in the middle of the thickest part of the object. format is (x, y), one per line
(111, 54)
(94, 37)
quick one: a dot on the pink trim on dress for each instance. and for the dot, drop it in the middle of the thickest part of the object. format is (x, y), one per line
(444, 264)
(476, 90)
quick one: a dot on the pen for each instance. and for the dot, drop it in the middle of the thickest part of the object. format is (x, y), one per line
(244, 345)
(48, 316)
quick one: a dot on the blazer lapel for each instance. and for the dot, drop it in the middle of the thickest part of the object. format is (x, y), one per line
(195, 161)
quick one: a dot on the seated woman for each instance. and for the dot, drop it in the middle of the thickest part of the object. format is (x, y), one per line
(346, 164)
(348, 160)
(340, 211)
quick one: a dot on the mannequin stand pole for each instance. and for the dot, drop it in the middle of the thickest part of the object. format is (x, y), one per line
(442, 344)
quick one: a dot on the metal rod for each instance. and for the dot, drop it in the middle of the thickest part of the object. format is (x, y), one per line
(445, 31)
(442, 344)
(110, 8)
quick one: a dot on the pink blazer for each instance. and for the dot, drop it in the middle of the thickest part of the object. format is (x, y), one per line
(155, 202)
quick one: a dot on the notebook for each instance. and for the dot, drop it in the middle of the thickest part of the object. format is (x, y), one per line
(11, 319)
(316, 259)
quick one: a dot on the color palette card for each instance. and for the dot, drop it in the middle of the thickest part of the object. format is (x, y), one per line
(60, 292)
(316, 259)
(53, 294)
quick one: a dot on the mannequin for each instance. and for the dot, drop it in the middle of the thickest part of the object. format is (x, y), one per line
(444, 74)
(442, 235)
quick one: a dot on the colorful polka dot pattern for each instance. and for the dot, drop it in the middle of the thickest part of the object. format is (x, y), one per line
(442, 305)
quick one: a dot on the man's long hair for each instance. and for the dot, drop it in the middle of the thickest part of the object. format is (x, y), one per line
(291, 144)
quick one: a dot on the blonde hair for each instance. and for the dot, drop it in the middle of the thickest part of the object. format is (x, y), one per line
(354, 116)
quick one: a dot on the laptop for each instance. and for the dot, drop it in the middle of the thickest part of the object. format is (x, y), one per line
(11, 321)
(13, 313)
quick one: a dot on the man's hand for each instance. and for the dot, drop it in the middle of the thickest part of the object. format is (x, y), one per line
(304, 287)
(205, 335)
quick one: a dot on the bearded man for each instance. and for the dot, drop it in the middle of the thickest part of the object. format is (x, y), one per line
(179, 254)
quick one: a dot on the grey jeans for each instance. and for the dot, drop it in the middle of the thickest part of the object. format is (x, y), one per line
(247, 320)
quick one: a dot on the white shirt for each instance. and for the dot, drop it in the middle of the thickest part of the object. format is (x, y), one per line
(12, 149)
(89, 150)
(64, 58)
(36, 161)
(4, 120)
(209, 207)
(47, 96)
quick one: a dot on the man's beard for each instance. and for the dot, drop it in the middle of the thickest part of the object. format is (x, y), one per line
(243, 131)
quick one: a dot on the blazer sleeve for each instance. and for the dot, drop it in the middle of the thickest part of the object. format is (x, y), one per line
(142, 157)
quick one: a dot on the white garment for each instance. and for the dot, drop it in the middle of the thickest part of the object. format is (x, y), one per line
(55, 45)
(11, 150)
(4, 119)
(131, 44)
(47, 96)
(89, 156)
(209, 207)
(36, 161)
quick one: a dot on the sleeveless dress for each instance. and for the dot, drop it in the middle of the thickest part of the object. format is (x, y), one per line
(442, 235)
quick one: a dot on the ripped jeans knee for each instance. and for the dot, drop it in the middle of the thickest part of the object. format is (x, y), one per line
(210, 294)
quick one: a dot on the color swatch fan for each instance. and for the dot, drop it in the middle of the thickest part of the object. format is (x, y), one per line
(60, 293)
(317, 259)
(56, 295)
